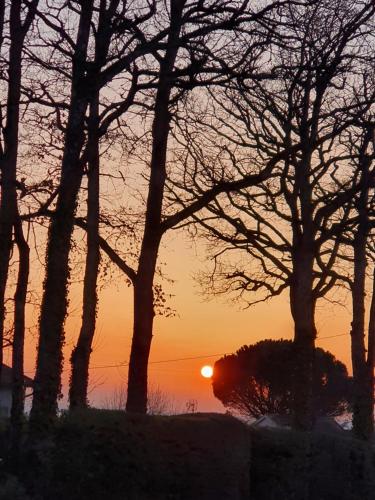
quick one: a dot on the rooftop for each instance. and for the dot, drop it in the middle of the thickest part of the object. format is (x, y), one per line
(6, 377)
(322, 424)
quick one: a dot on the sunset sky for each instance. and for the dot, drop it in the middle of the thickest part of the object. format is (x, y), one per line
(200, 328)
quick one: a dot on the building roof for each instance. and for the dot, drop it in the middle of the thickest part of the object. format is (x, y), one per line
(322, 424)
(6, 377)
(274, 418)
(328, 424)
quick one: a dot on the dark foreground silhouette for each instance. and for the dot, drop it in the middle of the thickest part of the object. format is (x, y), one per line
(110, 455)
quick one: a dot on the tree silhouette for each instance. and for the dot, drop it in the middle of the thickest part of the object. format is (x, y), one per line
(89, 72)
(181, 69)
(279, 235)
(258, 379)
(358, 250)
(16, 20)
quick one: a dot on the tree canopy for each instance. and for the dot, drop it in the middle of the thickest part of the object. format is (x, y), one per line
(257, 379)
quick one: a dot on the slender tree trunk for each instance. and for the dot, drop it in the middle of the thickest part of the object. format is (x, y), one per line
(143, 287)
(54, 304)
(20, 296)
(371, 328)
(371, 347)
(81, 354)
(8, 163)
(362, 377)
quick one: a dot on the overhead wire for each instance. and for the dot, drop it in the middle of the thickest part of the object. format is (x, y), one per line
(203, 356)
(190, 358)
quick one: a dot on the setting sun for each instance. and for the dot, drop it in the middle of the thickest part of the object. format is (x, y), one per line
(207, 371)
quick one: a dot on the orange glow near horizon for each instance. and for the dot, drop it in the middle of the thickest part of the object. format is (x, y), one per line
(202, 331)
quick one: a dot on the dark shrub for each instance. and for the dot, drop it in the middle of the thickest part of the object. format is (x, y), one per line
(289, 465)
(109, 455)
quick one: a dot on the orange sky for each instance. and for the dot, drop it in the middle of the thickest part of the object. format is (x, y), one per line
(200, 328)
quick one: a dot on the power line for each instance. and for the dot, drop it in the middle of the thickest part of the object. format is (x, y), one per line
(195, 357)
(164, 360)
(173, 360)
(108, 366)
(123, 364)
(332, 336)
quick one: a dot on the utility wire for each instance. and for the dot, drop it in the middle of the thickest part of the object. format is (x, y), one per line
(174, 360)
(196, 357)
(165, 360)
(332, 336)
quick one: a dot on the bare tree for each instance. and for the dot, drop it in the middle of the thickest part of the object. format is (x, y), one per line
(360, 143)
(20, 19)
(186, 30)
(53, 310)
(15, 28)
(286, 224)
(207, 64)
(143, 288)
(118, 44)
(81, 353)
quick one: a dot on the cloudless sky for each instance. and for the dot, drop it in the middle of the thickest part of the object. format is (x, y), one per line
(200, 328)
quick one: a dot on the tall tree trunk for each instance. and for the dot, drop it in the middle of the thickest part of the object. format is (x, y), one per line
(81, 354)
(371, 347)
(302, 299)
(302, 305)
(20, 296)
(362, 405)
(54, 304)
(302, 302)
(362, 383)
(8, 162)
(143, 286)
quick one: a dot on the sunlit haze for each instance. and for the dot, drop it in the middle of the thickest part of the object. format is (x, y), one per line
(200, 333)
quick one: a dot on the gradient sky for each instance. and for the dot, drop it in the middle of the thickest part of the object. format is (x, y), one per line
(200, 328)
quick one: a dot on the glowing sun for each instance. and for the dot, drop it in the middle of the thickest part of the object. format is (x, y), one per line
(207, 371)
